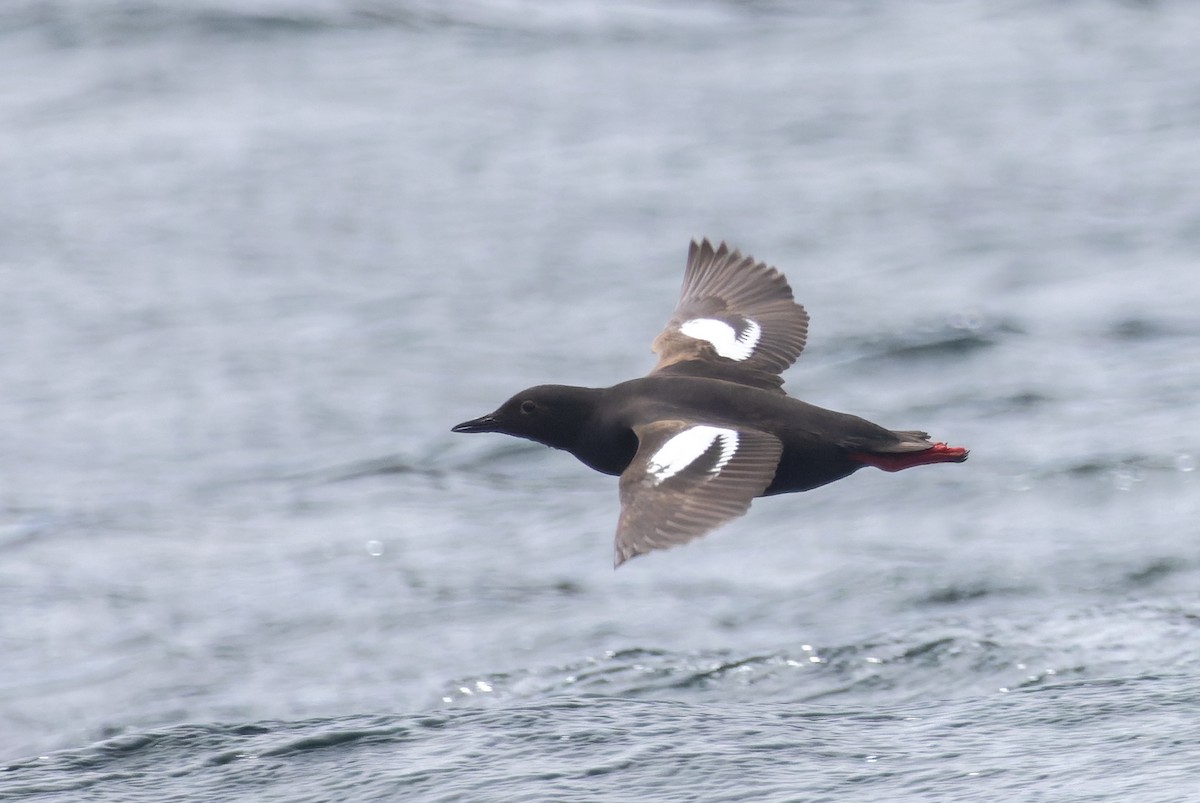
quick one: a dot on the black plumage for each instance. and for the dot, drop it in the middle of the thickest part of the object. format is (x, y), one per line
(710, 428)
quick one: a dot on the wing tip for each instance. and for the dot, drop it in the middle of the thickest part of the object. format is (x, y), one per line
(703, 256)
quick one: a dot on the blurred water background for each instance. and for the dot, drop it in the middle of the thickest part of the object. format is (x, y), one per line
(257, 257)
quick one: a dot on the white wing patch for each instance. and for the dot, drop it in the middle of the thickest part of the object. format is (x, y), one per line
(681, 450)
(723, 337)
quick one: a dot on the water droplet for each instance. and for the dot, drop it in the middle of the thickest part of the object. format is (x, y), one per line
(814, 659)
(806, 647)
(1126, 477)
(374, 548)
(872, 759)
(873, 660)
(1185, 462)
(483, 685)
(967, 319)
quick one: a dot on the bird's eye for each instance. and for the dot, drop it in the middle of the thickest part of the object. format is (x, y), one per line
(528, 407)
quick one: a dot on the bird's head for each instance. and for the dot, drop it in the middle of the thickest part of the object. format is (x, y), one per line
(550, 414)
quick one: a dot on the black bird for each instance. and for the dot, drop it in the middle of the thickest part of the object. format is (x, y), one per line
(710, 428)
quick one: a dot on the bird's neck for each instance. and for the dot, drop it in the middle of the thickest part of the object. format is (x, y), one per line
(600, 443)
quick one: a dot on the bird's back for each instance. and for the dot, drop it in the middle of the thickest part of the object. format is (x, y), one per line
(817, 442)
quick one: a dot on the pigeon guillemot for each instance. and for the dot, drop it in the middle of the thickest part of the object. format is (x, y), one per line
(710, 428)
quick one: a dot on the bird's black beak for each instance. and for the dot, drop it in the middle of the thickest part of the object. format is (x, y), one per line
(485, 423)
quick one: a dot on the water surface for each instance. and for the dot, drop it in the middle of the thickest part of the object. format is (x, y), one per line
(257, 258)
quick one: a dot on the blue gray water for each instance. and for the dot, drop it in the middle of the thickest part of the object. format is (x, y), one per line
(258, 257)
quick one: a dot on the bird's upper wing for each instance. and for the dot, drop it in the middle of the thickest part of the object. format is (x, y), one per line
(688, 478)
(736, 320)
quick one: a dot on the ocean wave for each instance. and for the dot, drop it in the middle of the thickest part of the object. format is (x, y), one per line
(627, 749)
(886, 672)
(76, 22)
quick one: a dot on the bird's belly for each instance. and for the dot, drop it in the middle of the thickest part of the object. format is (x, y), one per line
(802, 468)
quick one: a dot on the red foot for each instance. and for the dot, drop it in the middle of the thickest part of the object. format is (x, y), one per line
(898, 461)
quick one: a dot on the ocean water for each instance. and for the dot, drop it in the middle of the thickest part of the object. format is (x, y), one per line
(258, 257)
